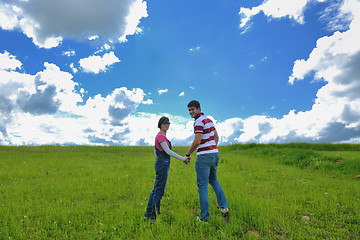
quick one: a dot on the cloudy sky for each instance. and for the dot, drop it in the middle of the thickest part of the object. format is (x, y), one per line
(103, 72)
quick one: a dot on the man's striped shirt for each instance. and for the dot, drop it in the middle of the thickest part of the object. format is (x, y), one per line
(205, 126)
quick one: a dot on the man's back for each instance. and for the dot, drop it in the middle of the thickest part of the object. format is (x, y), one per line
(206, 127)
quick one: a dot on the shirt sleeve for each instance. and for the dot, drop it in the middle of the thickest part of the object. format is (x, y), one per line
(161, 138)
(171, 153)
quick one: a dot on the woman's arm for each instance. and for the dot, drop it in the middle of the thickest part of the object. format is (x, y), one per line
(171, 153)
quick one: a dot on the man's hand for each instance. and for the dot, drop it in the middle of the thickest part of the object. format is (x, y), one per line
(187, 160)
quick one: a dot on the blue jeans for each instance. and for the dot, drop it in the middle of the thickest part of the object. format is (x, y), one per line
(162, 165)
(206, 166)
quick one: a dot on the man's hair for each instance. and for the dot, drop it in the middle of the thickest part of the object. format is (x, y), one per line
(163, 120)
(194, 103)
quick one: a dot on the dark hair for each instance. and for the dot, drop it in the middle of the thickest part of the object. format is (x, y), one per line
(194, 103)
(163, 120)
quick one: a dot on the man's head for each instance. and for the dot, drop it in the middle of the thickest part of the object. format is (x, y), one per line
(194, 108)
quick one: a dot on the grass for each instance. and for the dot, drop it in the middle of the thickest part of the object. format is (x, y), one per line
(275, 191)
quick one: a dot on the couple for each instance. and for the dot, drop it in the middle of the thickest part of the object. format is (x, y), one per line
(205, 141)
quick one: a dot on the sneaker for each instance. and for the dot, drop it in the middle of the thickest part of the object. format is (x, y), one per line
(147, 218)
(201, 220)
(225, 212)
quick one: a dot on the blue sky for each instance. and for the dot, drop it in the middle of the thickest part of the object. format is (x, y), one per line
(272, 71)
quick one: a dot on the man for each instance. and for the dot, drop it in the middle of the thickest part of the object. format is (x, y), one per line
(205, 141)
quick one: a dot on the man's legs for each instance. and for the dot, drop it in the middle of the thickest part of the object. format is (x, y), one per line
(202, 168)
(220, 195)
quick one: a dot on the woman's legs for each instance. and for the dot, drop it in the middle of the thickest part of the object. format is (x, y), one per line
(162, 170)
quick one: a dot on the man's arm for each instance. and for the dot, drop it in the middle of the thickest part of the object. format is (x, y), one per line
(195, 143)
(216, 137)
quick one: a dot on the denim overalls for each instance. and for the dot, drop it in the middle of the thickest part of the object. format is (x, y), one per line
(162, 165)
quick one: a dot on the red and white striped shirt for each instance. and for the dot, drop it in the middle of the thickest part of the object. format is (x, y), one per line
(205, 126)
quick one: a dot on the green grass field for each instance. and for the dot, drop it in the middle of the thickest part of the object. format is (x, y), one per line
(289, 191)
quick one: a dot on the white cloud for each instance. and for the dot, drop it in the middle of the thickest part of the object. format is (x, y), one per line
(105, 47)
(143, 129)
(22, 95)
(122, 102)
(8, 19)
(161, 91)
(73, 68)
(50, 91)
(47, 22)
(109, 119)
(137, 11)
(333, 53)
(292, 9)
(93, 37)
(9, 62)
(334, 117)
(195, 49)
(335, 19)
(251, 66)
(335, 60)
(147, 102)
(44, 109)
(96, 64)
(48, 107)
(69, 53)
(181, 94)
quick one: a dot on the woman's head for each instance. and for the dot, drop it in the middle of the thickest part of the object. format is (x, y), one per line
(163, 121)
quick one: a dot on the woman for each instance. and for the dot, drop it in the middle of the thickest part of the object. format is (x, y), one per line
(163, 152)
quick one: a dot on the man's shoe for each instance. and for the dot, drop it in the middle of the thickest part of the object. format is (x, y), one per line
(225, 214)
(202, 220)
(152, 220)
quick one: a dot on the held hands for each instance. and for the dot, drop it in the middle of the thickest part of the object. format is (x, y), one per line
(187, 160)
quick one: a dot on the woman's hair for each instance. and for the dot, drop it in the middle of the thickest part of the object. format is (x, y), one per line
(163, 120)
